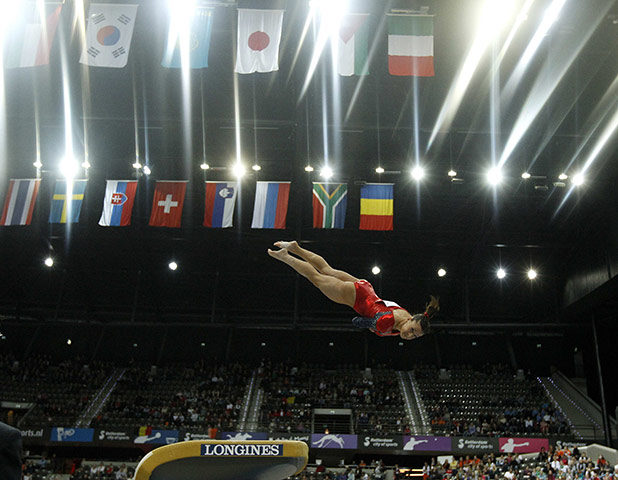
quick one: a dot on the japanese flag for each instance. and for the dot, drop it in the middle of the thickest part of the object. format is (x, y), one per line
(259, 35)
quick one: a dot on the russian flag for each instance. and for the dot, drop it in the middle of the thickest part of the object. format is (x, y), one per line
(271, 205)
(118, 203)
(219, 206)
(19, 203)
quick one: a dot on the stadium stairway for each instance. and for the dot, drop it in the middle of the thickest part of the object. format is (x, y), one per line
(414, 410)
(100, 398)
(252, 402)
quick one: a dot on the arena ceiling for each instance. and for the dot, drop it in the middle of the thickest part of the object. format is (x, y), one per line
(542, 100)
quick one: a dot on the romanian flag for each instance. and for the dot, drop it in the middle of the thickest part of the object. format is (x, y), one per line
(376, 211)
(410, 45)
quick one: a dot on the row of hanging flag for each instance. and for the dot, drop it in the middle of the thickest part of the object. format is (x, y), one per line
(109, 32)
(269, 209)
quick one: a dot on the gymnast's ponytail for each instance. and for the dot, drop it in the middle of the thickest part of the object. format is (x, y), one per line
(431, 309)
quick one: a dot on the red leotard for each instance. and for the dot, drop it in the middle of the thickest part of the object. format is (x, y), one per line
(367, 304)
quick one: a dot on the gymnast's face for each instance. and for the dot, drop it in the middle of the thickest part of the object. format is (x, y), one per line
(411, 330)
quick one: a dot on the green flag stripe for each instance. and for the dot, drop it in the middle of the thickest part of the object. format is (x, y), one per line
(361, 53)
(329, 202)
(410, 25)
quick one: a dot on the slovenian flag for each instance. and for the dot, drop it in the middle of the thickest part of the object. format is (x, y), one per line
(376, 210)
(31, 35)
(259, 35)
(220, 202)
(330, 201)
(271, 205)
(410, 45)
(19, 203)
(118, 203)
(197, 37)
(67, 201)
(353, 45)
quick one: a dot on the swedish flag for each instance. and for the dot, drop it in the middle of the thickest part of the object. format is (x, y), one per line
(67, 201)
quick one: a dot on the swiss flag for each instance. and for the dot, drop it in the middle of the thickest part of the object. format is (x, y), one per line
(167, 203)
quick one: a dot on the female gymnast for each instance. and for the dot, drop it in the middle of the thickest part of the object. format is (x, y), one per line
(382, 317)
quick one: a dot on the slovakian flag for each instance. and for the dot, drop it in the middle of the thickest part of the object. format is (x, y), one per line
(330, 201)
(31, 35)
(167, 202)
(410, 45)
(19, 203)
(376, 209)
(67, 201)
(196, 37)
(353, 50)
(259, 35)
(271, 204)
(220, 202)
(108, 35)
(118, 203)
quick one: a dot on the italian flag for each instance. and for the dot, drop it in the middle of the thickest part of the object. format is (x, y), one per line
(410, 45)
(353, 45)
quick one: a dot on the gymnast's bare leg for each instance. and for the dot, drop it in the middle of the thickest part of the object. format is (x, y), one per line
(338, 286)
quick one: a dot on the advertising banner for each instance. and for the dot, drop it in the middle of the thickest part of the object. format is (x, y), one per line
(523, 445)
(242, 436)
(427, 444)
(393, 442)
(475, 444)
(64, 434)
(331, 440)
(116, 435)
(35, 435)
(158, 437)
(570, 443)
(187, 436)
(299, 437)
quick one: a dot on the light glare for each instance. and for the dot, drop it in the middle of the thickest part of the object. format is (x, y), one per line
(49, 262)
(239, 170)
(326, 172)
(494, 176)
(441, 272)
(525, 175)
(137, 165)
(452, 173)
(375, 270)
(578, 179)
(68, 167)
(379, 170)
(531, 274)
(173, 265)
(563, 176)
(501, 273)
(147, 170)
(418, 173)
(308, 168)
(204, 166)
(256, 168)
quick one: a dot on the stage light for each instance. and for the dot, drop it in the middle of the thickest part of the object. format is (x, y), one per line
(173, 265)
(204, 166)
(202, 344)
(501, 273)
(147, 170)
(375, 270)
(539, 345)
(441, 272)
(263, 344)
(331, 344)
(494, 176)
(37, 164)
(256, 168)
(577, 179)
(326, 172)
(239, 170)
(452, 173)
(418, 173)
(137, 165)
(474, 344)
(135, 345)
(69, 341)
(532, 274)
(525, 175)
(563, 176)
(308, 168)
(379, 170)
(49, 262)
(68, 167)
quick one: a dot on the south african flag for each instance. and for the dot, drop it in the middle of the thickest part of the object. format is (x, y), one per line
(329, 204)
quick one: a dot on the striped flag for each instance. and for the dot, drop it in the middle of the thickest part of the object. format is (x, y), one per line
(32, 36)
(330, 201)
(376, 210)
(118, 203)
(410, 45)
(67, 201)
(197, 37)
(353, 45)
(19, 203)
(271, 204)
(220, 202)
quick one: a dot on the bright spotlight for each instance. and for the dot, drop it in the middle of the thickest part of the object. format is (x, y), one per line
(69, 342)
(137, 165)
(379, 170)
(525, 175)
(375, 270)
(563, 176)
(418, 173)
(256, 168)
(68, 167)
(308, 168)
(147, 170)
(501, 273)
(49, 262)
(86, 165)
(441, 272)
(494, 176)
(37, 164)
(326, 172)
(452, 173)
(204, 166)
(173, 265)
(531, 274)
(577, 179)
(239, 170)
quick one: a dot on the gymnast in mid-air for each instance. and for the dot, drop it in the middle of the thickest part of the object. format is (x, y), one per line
(382, 317)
